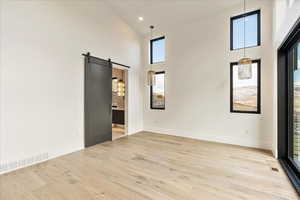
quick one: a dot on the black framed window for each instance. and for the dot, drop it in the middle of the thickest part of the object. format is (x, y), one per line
(289, 104)
(293, 62)
(250, 36)
(157, 50)
(157, 92)
(245, 93)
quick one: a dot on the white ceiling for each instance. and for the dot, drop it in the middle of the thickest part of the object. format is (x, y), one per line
(164, 13)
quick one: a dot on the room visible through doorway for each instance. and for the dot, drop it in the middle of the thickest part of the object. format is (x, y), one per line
(119, 111)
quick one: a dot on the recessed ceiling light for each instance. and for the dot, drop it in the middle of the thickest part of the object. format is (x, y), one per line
(141, 18)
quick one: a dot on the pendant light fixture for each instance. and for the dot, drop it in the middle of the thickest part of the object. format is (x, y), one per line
(245, 64)
(121, 86)
(151, 73)
(115, 84)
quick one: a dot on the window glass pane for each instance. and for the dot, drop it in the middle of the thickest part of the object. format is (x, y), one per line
(296, 120)
(245, 91)
(298, 56)
(158, 92)
(251, 32)
(158, 51)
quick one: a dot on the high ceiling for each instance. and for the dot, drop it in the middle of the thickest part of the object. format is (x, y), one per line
(164, 13)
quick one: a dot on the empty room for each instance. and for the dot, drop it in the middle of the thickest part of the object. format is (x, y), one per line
(149, 99)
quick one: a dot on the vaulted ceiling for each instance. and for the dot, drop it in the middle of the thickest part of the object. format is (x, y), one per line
(164, 13)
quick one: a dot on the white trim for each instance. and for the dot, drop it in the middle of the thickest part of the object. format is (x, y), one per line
(210, 137)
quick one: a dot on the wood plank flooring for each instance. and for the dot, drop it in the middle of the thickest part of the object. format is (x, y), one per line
(118, 132)
(152, 166)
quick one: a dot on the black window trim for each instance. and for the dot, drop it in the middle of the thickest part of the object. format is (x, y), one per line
(258, 12)
(284, 142)
(151, 48)
(258, 61)
(151, 93)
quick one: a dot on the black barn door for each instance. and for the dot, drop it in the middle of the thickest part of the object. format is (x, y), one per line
(98, 99)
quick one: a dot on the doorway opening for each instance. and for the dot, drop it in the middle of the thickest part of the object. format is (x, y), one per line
(119, 102)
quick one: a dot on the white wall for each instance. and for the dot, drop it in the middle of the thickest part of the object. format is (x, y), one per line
(41, 84)
(285, 14)
(42, 72)
(1, 121)
(198, 82)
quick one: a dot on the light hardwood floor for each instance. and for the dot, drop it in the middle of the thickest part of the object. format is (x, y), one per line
(118, 132)
(152, 166)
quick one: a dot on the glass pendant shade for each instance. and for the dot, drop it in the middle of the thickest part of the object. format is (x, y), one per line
(245, 69)
(151, 77)
(121, 89)
(115, 85)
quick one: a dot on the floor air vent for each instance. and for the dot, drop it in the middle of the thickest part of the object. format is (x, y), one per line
(10, 166)
(275, 169)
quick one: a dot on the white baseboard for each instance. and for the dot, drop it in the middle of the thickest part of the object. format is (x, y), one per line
(12, 166)
(210, 137)
(135, 132)
(6, 167)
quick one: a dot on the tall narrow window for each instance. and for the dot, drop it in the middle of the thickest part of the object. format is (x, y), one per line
(294, 102)
(245, 36)
(157, 50)
(157, 92)
(245, 93)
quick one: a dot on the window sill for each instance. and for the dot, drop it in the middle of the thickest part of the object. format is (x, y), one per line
(246, 47)
(158, 63)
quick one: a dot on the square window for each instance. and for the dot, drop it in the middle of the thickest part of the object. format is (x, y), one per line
(157, 50)
(249, 36)
(157, 92)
